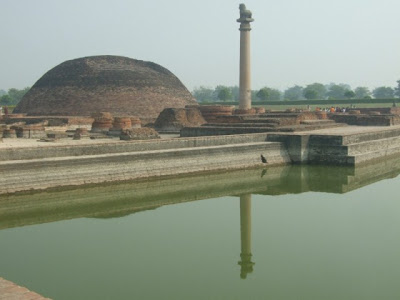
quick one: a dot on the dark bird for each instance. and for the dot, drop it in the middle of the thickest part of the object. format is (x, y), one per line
(263, 159)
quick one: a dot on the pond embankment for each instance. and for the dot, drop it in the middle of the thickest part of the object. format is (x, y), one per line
(46, 165)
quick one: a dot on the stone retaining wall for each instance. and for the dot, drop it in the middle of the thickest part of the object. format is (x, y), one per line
(45, 173)
(366, 120)
(126, 146)
(11, 291)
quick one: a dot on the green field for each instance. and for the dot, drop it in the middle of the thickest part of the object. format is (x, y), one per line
(302, 104)
(327, 105)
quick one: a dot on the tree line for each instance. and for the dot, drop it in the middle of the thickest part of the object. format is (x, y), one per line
(12, 96)
(312, 91)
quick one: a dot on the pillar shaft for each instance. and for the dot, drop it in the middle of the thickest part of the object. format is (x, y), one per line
(246, 265)
(245, 71)
(245, 224)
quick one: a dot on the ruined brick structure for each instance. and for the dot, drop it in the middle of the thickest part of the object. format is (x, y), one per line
(119, 85)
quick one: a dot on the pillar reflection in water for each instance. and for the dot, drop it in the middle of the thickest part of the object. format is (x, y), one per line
(246, 265)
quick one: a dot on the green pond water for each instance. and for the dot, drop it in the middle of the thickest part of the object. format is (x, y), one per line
(292, 232)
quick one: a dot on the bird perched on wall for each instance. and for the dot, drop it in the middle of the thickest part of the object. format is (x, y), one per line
(263, 159)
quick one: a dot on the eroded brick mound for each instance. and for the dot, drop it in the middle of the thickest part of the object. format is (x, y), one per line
(103, 121)
(251, 111)
(260, 110)
(139, 134)
(354, 112)
(174, 119)
(121, 123)
(374, 113)
(211, 112)
(119, 85)
(136, 122)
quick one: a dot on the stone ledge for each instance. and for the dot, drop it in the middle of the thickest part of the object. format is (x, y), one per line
(68, 171)
(11, 291)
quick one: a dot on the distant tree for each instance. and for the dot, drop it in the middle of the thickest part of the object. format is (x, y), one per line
(16, 94)
(362, 92)
(203, 94)
(224, 94)
(319, 91)
(267, 93)
(2, 92)
(343, 85)
(336, 91)
(275, 95)
(293, 93)
(397, 89)
(263, 94)
(383, 92)
(310, 94)
(254, 95)
(5, 100)
(349, 94)
(235, 92)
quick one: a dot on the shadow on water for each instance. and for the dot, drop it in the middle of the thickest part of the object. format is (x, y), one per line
(116, 200)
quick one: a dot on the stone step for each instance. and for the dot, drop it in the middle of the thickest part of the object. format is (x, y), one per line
(379, 154)
(338, 140)
(131, 155)
(332, 158)
(124, 146)
(270, 125)
(326, 159)
(354, 149)
(374, 145)
(260, 120)
(65, 171)
(217, 131)
(230, 129)
(279, 115)
(316, 122)
(317, 150)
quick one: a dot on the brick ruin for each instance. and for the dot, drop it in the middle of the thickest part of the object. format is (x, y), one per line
(174, 119)
(119, 85)
(223, 120)
(377, 116)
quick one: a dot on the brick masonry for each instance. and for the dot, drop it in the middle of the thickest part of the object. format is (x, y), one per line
(11, 291)
(120, 85)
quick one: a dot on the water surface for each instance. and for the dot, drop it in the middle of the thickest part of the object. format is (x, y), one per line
(292, 232)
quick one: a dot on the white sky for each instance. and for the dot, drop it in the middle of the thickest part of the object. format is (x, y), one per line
(293, 41)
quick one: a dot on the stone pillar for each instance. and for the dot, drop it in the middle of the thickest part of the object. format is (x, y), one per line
(245, 72)
(246, 265)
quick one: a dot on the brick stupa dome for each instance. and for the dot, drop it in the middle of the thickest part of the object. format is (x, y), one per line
(119, 85)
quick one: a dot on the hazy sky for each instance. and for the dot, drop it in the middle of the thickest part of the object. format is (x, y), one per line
(293, 41)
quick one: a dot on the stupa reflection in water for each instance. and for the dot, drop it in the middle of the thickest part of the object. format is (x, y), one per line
(246, 265)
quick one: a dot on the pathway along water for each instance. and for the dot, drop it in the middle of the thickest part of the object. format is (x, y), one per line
(308, 232)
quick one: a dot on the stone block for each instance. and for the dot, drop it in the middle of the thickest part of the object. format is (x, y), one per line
(174, 119)
(139, 134)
